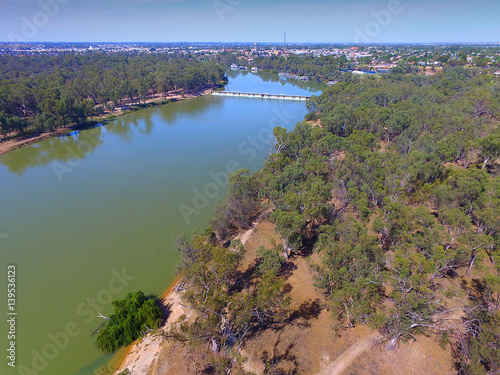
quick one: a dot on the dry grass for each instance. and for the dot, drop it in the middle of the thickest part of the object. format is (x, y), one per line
(422, 357)
(307, 344)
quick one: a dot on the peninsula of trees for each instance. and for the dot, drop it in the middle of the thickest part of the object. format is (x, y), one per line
(394, 188)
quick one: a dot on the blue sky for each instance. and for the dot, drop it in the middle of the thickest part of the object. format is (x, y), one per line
(394, 21)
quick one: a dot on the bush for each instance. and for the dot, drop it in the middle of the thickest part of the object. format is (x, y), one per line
(133, 316)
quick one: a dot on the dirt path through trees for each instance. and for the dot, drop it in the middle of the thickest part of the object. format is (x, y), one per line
(346, 358)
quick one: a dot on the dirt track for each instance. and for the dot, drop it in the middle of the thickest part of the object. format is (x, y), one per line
(346, 358)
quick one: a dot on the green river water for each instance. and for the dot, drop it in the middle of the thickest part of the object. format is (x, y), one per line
(89, 217)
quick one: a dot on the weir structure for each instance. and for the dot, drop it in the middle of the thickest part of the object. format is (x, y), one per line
(260, 96)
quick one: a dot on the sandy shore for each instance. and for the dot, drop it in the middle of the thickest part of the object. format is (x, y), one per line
(142, 356)
(16, 143)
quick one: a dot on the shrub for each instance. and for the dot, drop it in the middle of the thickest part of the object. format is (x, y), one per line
(133, 315)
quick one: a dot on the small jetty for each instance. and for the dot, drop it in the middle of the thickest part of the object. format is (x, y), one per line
(260, 96)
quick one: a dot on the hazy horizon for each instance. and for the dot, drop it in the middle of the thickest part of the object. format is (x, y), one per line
(228, 21)
(289, 44)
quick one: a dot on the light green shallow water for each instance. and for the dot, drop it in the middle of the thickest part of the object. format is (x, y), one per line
(89, 217)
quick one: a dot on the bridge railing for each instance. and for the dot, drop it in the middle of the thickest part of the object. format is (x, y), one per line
(259, 95)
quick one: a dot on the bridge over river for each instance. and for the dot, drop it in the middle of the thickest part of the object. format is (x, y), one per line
(260, 96)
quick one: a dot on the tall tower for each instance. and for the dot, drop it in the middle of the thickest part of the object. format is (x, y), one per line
(284, 42)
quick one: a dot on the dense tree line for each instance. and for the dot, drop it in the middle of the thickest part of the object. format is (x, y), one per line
(42, 92)
(321, 68)
(397, 189)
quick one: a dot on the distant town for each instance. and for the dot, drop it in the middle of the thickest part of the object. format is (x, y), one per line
(363, 59)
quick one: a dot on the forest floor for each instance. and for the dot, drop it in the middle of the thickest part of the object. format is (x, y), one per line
(29, 139)
(305, 343)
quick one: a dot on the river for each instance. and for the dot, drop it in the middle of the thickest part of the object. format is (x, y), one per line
(89, 217)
